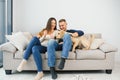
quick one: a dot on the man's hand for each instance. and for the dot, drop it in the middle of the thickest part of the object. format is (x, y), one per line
(75, 34)
(61, 43)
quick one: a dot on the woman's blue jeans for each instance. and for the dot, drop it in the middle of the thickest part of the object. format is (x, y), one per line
(35, 48)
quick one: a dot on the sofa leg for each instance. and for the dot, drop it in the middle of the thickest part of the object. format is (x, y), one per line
(8, 72)
(109, 71)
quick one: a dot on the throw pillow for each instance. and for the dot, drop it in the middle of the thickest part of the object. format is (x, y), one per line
(107, 48)
(18, 40)
(28, 35)
(96, 43)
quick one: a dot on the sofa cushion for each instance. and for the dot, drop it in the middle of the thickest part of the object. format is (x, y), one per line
(90, 54)
(107, 48)
(18, 40)
(72, 55)
(28, 35)
(96, 43)
(19, 55)
(97, 35)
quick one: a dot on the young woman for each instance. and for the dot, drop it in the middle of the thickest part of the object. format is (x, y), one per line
(38, 45)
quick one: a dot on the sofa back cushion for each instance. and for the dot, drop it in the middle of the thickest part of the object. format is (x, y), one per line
(97, 35)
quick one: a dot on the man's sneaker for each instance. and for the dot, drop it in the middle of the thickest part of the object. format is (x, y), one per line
(53, 72)
(62, 63)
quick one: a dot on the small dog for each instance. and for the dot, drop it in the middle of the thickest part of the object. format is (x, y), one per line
(82, 41)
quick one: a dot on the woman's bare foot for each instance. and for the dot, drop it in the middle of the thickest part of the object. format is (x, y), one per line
(39, 76)
(20, 67)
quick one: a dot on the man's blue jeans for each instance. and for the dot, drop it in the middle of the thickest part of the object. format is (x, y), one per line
(53, 45)
(35, 48)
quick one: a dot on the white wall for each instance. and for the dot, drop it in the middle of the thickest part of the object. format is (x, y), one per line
(91, 16)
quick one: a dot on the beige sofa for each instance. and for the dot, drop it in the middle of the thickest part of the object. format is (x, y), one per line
(98, 59)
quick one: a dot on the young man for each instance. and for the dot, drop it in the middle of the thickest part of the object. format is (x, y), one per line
(53, 46)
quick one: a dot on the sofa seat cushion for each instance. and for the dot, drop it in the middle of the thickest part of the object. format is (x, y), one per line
(72, 55)
(19, 55)
(90, 54)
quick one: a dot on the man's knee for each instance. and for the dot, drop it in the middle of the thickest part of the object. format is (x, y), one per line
(67, 36)
(51, 42)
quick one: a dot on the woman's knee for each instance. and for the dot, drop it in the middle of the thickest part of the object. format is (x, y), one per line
(34, 38)
(34, 49)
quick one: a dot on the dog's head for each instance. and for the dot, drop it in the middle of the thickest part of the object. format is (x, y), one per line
(60, 34)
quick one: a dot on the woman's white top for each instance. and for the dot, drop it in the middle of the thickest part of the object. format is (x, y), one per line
(44, 39)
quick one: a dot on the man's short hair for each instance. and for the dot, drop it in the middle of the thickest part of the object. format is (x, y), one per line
(62, 20)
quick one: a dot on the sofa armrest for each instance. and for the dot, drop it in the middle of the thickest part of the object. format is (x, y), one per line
(8, 47)
(108, 48)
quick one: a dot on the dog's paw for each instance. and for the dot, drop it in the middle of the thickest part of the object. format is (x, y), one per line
(74, 51)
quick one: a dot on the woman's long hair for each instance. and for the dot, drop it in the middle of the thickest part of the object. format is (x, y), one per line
(48, 26)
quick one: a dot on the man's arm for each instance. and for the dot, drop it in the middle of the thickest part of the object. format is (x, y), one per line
(80, 33)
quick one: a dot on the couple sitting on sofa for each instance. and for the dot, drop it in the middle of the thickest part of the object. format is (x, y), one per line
(36, 47)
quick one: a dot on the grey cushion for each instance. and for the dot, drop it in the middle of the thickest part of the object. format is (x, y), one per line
(97, 35)
(90, 54)
(19, 55)
(107, 48)
(8, 47)
(72, 55)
